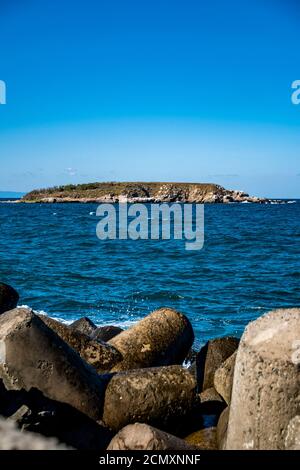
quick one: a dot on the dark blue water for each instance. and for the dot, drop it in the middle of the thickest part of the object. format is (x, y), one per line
(250, 264)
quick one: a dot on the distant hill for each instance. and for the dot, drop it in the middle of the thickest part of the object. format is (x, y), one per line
(139, 192)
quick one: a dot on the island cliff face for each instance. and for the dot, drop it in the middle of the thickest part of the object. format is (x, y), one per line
(140, 192)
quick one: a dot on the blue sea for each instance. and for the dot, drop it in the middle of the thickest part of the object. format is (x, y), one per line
(250, 264)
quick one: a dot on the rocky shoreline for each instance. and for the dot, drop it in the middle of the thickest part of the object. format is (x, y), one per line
(87, 387)
(200, 193)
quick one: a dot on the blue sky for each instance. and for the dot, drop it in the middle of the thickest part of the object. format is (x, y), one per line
(153, 90)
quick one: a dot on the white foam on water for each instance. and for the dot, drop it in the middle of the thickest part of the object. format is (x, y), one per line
(121, 324)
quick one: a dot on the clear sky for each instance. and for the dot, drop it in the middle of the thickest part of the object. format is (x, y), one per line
(160, 90)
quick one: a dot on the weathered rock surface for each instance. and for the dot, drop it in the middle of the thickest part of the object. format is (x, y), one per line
(162, 338)
(265, 394)
(222, 428)
(98, 354)
(210, 358)
(33, 356)
(106, 333)
(11, 438)
(223, 378)
(8, 298)
(292, 434)
(144, 437)
(162, 397)
(211, 402)
(32, 411)
(84, 325)
(205, 439)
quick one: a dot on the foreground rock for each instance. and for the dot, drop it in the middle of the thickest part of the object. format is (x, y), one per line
(211, 357)
(205, 439)
(265, 394)
(106, 333)
(162, 338)
(292, 434)
(162, 397)
(84, 325)
(34, 412)
(9, 298)
(34, 356)
(98, 354)
(211, 403)
(222, 428)
(11, 438)
(143, 437)
(223, 378)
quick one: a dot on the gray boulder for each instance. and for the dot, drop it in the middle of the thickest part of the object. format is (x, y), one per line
(11, 438)
(265, 393)
(33, 356)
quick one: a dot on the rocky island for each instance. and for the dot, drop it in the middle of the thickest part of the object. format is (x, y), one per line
(114, 192)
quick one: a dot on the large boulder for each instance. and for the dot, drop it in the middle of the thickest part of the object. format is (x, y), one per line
(210, 358)
(106, 333)
(223, 378)
(9, 298)
(84, 325)
(205, 439)
(265, 393)
(161, 396)
(144, 437)
(98, 354)
(33, 356)
(34, 412)
(162, 338)
(211, 403)
(51, 418)
(11, 438)
(222, 428)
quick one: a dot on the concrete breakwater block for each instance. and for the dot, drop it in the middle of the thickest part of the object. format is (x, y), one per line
(34, 356)
(100, 355)
(204, 439)
(159, 396)
(292, 434)
(162, 338)
(14, 439)
(266, 385)
(140, 436)
(8, 298)
(223, 378)
(84, 325)
(211, 357)
(106, 333)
